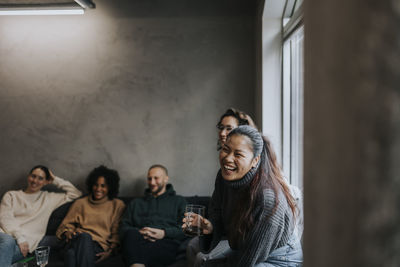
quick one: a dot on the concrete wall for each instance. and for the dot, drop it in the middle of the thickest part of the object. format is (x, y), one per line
(128, 84)
(352, 133)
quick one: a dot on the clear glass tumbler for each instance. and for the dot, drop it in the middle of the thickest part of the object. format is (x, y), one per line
(193, 219)
(42, 255)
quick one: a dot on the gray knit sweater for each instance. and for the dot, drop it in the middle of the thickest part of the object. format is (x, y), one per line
(269, 231)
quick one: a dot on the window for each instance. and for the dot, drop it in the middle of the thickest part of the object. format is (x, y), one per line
(292, 100)
(282, 84)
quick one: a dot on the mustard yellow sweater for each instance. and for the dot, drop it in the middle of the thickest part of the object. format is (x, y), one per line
(99, 218)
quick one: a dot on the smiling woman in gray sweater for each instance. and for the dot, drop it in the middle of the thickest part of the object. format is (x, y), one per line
(251, 206)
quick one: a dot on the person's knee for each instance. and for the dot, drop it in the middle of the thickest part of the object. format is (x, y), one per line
(7, 241)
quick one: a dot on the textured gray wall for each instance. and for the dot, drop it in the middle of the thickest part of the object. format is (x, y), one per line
(128, 84)
(352, 133)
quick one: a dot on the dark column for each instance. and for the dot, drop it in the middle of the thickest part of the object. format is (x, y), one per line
(352, 133)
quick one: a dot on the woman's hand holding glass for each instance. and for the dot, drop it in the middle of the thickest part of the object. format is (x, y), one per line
(195, 220)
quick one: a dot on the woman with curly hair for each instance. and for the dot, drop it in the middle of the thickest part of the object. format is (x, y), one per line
(91, 225)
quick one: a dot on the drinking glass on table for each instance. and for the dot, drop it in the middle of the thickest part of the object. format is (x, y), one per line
(193, 220)
(42, 255)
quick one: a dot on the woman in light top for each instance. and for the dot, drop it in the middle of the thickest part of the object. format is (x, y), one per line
(251, 205)
(24, 214)
(91, 225)
(231, 119)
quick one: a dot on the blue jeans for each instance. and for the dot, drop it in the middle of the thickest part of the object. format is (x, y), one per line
(290, 255)
(9, 250)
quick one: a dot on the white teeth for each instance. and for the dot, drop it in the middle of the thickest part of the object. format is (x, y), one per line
(229, 168)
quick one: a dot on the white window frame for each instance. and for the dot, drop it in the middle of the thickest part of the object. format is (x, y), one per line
(292, 106)
(277, 120)
(293, 91)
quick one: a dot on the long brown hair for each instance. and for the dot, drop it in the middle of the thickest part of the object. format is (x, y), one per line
(267, 176)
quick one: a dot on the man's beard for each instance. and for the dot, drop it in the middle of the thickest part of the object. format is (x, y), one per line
(158, 189)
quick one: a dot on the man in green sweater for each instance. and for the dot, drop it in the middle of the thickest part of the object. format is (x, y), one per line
(150, 229)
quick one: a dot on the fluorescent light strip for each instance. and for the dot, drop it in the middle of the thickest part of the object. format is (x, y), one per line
(19, 12)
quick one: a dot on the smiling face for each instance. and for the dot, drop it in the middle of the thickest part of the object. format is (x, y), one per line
(226, 125)
(236, 157)
(100, 189)
(157, 181)
(36, 180)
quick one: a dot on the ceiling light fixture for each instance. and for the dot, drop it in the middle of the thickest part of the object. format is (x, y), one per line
(41, 11)
(77, 8)
(86, 3)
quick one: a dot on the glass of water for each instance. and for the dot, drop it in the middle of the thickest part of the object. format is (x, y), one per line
(192, 214)
(42, 255)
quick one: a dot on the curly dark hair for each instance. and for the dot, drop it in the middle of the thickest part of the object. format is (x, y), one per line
(111, 176)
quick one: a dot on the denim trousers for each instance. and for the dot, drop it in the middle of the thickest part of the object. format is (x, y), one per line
(9, 250)
(289, 255)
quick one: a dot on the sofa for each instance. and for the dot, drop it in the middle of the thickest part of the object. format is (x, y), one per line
(58, 215)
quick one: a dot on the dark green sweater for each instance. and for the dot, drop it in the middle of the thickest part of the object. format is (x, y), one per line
(162, 212)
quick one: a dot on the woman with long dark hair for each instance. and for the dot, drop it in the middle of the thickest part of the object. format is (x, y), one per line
(91, 226)
(228, 121)
(251, 205)
(24, 214)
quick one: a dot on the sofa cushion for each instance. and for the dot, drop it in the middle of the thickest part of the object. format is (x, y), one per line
(56, 218)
